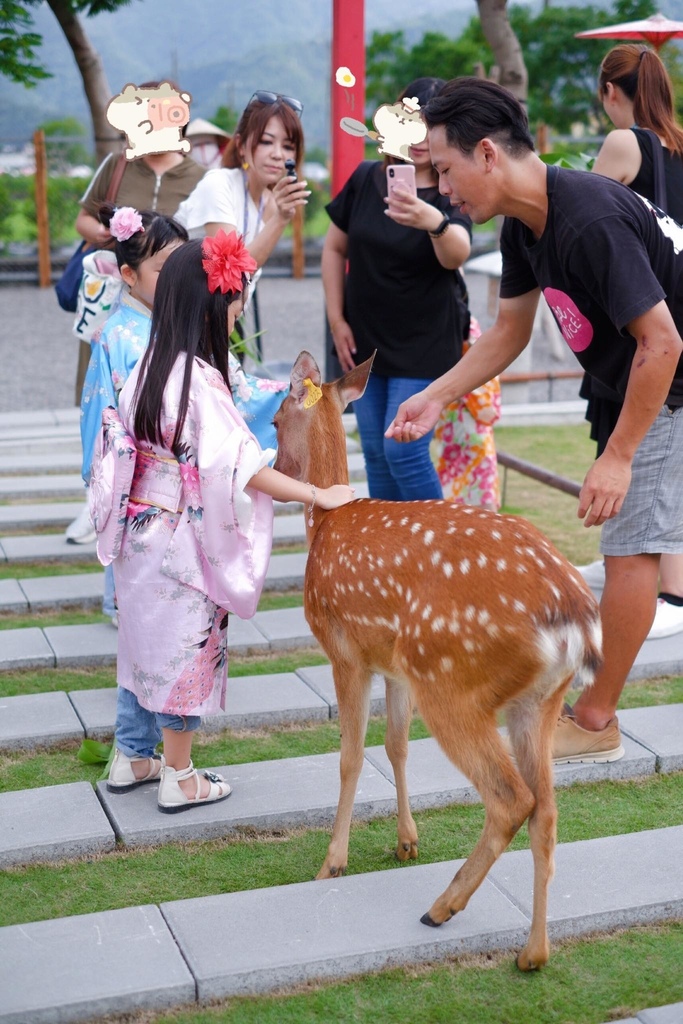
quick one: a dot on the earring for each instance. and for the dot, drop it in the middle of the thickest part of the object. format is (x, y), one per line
(245, 165)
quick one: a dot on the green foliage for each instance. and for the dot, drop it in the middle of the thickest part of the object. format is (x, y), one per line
(562, 69)
(18, 209)
(225, 118)
(391, 66)
(18, 43)
(63, 145)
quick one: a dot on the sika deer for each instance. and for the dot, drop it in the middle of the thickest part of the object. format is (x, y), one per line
(464, 612)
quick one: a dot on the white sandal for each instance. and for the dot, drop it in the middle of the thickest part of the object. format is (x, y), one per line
(122, 777)
(172, 798)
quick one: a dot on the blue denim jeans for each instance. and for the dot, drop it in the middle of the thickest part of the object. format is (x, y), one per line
(108, 601)
(138, 731)
(396, 472)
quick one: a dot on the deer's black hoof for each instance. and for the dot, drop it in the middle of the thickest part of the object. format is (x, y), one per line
(426, 919)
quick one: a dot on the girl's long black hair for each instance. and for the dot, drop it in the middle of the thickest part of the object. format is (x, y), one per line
(186, 317)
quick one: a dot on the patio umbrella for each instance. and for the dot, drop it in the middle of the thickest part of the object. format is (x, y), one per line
(656, 30)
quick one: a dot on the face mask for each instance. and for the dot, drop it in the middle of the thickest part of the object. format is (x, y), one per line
(205, 153)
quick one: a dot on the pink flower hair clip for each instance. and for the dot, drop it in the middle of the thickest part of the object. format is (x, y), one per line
(226, 258)
(125, 223)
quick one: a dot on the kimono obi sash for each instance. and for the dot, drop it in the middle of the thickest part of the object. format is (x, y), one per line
(157, 481)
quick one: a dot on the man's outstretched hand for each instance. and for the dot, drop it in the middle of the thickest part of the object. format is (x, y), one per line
(414, 418)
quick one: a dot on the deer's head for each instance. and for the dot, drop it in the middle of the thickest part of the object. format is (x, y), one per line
(309, 426)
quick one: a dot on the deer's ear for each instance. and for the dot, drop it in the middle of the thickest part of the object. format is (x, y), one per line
(353, 384)
(305, 368)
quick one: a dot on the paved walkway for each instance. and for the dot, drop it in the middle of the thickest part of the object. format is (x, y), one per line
(153, 957)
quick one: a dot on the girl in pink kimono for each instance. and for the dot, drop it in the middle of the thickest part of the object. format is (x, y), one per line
(181, 496)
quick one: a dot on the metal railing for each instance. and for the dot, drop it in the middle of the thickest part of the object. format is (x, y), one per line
(543, 476)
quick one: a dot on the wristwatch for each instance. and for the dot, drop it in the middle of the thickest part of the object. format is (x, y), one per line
(442, 228)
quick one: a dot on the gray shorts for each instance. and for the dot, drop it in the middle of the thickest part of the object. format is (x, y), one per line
(651, 518)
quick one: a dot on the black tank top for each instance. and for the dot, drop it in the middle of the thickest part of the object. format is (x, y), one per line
(644, 181)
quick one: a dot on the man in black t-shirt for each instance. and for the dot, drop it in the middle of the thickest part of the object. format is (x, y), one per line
(611, 267)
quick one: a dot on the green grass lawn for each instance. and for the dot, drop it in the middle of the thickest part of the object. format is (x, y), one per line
(587, 981)
(567, 451)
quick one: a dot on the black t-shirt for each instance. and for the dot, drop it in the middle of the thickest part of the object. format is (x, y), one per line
(606, 256)
(398, 298)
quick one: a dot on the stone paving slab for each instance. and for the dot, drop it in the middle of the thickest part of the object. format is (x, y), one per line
(671, 1014)
(615, 882)
(659, 657)
(52, 822)
(267, 794)
(259, 701)
(433, 781)
(289, 529)
(659, 729)
(58, 485)
(25, 648)
(46, 547)
(286, 572)
(86, 588)
(285, 935)
(82, 967)
(319, 678)
(96, 711)
(37, 720)
(285, 628)
(12, 597)
(57, 514)
(245, 638)
(254, 702)
(32, 463)
(83, 646)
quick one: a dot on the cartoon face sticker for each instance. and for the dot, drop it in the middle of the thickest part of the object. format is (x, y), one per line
(151, 119)
(399, 126)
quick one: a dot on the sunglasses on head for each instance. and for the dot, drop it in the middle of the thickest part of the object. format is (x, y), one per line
(274, 97)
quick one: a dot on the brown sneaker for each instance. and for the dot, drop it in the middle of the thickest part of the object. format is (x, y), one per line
(574, 745)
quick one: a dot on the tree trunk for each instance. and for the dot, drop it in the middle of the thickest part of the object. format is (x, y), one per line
(95, 84)
(511, 73)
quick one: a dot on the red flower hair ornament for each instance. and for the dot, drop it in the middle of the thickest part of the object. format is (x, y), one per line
(226, 258)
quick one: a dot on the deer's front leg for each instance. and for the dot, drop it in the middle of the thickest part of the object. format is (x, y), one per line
(399, 714)
(352, 685)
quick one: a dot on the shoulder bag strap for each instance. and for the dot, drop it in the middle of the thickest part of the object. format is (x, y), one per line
(116, 178)
(658, 165)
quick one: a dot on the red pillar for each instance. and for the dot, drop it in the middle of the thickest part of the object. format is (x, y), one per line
(348, 50)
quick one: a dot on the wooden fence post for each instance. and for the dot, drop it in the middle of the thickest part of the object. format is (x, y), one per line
(42, 220)
(298, 261)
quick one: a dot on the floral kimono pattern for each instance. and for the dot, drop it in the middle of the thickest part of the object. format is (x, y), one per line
(195, 546)
(118, 347)
(463, 449)
(114, 351)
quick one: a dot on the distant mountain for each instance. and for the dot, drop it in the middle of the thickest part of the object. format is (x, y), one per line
(220, 50)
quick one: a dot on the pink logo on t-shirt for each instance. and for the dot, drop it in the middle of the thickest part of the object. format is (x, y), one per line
(577, 331)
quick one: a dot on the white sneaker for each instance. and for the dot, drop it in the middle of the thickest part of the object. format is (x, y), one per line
(668, 620)
(81, 531)
(594, 574)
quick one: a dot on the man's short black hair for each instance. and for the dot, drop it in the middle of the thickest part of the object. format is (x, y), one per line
(472, 109)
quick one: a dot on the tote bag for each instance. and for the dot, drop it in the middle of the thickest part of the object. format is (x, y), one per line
(68, 286)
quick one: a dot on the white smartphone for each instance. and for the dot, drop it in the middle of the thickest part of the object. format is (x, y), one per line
(402, 175)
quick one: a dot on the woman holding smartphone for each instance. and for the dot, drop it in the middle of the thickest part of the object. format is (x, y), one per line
(402, 296)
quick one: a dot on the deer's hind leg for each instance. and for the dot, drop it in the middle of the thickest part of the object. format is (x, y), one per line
(399, 714)
(469, 737)
(352, 686)
(531, 726)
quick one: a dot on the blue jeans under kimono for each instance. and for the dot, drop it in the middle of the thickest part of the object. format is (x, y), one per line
(138, 731)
